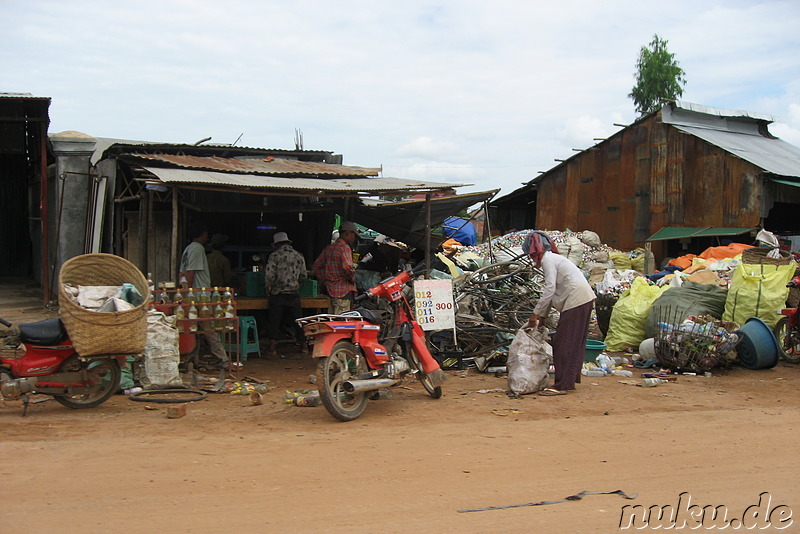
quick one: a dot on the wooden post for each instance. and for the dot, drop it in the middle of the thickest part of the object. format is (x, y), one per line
(487, 231)
(428, 235)
(143, 231)
(173, 256)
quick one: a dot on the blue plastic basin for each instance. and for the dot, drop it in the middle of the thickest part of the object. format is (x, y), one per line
(593, 349)
(757, 347)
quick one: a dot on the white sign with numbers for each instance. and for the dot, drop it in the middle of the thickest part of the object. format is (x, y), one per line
(433, 304)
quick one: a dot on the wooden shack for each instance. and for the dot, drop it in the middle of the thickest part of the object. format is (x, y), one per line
(718, 172)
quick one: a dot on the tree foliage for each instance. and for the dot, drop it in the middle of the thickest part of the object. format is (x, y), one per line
(658, 76)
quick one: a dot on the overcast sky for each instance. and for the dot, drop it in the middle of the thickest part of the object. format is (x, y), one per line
(486, 93)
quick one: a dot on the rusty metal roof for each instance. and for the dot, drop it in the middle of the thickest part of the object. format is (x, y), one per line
(738, 132)
(315, 186)
(270, 166)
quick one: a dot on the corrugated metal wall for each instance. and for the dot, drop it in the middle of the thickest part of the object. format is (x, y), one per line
(648, 176)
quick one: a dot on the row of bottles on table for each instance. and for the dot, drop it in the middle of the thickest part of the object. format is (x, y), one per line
(193, 304)
(203, 295)
(223, 315)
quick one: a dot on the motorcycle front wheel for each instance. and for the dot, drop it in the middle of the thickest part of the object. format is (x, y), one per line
(427, 381)
(343, 363)
(102, 382)
(787, 340)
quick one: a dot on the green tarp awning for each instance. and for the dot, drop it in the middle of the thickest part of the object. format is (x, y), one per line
(685, 232)
(786, 182)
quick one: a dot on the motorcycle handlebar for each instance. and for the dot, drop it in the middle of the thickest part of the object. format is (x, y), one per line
(362, 296)
(4, 322)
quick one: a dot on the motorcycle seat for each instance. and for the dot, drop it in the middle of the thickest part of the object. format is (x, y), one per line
(47, 332)
(371, 316)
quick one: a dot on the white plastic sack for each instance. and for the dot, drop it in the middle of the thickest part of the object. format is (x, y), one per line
(529, 358)
(590, 238)
(161, 355)
(576, 248)
(93, 297)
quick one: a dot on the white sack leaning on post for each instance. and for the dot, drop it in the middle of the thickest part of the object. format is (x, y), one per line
(529, 358)
(161, 355)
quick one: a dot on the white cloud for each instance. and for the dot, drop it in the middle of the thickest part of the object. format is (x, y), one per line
(425, 147)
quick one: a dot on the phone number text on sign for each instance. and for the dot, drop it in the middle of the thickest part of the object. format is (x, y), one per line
(433, 304)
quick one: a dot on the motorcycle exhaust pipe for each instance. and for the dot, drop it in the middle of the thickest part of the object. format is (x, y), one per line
(360, 386)
(14, 389)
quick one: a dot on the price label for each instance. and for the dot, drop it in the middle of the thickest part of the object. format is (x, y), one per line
(433, 304)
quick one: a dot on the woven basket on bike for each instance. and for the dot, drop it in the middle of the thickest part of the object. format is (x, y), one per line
(758, 256)
(93, 332)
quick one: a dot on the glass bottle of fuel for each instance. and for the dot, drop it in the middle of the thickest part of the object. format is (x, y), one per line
(219, 318)
(215, 296)
(227, 295)
(205, 313)
(230, 317)
(180, 315)
(203, 297)
(164, 301)
(192, 316)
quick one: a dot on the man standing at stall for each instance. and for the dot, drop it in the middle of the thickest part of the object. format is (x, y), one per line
(336, 270)
(286, 272)
(194, 273)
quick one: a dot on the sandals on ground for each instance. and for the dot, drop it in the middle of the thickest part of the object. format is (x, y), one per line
(551, 392)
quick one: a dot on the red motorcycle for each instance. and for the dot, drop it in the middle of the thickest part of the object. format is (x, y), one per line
(787, 330)
(46, 363)
(364, 350)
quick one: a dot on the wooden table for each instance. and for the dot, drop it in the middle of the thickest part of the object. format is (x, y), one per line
(321, 302)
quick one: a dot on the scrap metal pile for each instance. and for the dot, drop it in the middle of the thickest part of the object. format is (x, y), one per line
(500, 286)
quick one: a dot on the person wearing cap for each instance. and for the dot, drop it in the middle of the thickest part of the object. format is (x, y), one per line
(566, 290)
(335, 268)
(219, 267)
(285, 273)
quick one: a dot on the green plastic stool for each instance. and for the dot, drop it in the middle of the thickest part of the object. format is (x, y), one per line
(248, 338)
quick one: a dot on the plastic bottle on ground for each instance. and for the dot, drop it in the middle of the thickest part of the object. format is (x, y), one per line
(593, 372)
(652, 382)
(622, 372)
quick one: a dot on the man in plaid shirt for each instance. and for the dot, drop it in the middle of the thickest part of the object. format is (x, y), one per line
(336, 270)
(286, 272)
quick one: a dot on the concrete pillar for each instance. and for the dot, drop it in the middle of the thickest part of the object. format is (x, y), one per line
(73, 151)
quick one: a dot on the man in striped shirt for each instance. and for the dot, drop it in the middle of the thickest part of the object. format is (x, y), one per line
(336, 270)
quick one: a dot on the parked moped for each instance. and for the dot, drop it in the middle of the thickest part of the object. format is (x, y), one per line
(787, 330)
(46, 363)
(364, 350)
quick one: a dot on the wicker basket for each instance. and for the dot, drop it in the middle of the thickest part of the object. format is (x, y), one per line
(758, 256)
(95, 332)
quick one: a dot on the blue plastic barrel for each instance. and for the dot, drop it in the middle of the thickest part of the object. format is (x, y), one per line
(757, 347)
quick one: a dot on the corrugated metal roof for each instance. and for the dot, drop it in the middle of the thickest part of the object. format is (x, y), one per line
(128, 145)
(772, 155)
(739, 132)
(315, 186)
(23, 95)
(259, 165)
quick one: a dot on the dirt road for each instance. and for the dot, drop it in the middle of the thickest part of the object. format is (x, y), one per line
(409, 464)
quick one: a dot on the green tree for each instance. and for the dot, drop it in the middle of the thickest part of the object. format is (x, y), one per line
(658, 76)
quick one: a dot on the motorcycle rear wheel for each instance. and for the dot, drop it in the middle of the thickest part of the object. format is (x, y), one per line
(788, 340)
(104, 374)
(343, 363)
(427, 382)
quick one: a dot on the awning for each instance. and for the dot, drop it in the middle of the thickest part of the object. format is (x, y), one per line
(786, 182)
(685, 232)
(339, 186)
(405, 220)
